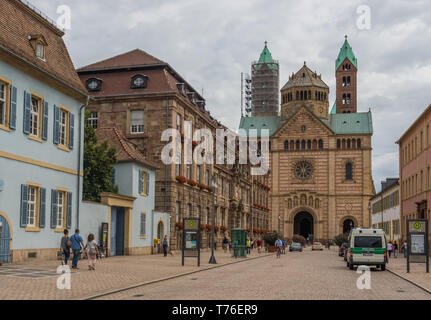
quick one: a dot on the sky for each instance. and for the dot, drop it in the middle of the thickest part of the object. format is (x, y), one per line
(211, 42)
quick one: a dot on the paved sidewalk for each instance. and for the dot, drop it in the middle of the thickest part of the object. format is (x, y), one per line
(111, 274)
(417, 273)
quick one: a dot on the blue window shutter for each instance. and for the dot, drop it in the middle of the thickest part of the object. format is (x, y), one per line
(71, 130)
(54, 194)
(148, 183)
(69, 211)
(45, 121)
(56, 132)
(24, 206)
(140, 182)
(27, 107)
(13, 102)
(143, 224)
(42, 208)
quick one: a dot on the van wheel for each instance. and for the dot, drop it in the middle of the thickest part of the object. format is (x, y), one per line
(383, 267)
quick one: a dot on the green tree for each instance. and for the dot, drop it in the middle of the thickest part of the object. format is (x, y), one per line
(99, 161)
(340, 239)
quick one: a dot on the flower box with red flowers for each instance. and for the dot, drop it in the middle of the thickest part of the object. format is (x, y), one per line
(208, 227)
(202, 227)
(179, 225)
(216, 229)
(202, 186)
(181, 179)
(256, 230)
(223, 228)
(191, 182)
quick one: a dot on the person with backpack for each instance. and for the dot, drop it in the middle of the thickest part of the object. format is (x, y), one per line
(77, 244)
(65, 246)
(92, 251)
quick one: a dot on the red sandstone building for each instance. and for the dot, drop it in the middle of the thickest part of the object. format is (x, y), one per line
(415, 170)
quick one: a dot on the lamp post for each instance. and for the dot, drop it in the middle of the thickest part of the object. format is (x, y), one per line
(214, 186)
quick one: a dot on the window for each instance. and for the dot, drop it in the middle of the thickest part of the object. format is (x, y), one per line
(137, 121)
(143, 230)
(94, 84)
(61, 196)
(189, 172)
(144, 183)
(64, 117)
(3, 103)
(32, 206)
(179, 122)
(139, 82)
(286, 145)
(40, 50)
(320, 144)
(35, 116)
(92, 120)
(198, 173)
(349, 171)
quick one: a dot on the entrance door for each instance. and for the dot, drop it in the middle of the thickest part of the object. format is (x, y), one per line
(117, 231)
(4, 241)
(160, 231)
(304, 225)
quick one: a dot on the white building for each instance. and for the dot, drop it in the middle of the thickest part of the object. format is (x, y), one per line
(386, 209)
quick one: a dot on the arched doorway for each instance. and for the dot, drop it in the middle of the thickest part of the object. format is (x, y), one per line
(5, 240)
(348, 225)
(160, 231)
(304, 224)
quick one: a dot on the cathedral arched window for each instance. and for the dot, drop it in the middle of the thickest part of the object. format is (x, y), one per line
(314, 144)
(320, 144)
(353, 143)
(310, 201)
(317, 203)
(297, 95)
(298, 145)
(295, 201)
(348, 143)
(349, 171)
(309, 94)
(344, 81)
(338, 143)
(318, 95)
(359, 143)
(309, 144)
(303, 199)
(292, 145)
(344, 98)
(343, 144)
(286, 145)
(315, 95)
(303, 144)
(348, 81)
(348, 98)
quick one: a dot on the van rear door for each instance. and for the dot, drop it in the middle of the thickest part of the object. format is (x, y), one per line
(369, 248)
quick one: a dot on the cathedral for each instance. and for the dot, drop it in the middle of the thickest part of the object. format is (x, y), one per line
(320, 160)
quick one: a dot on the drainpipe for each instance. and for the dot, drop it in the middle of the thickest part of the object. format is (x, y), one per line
(166, 166)
(78, 188)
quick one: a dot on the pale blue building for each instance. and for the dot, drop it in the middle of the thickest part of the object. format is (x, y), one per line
(40, 101)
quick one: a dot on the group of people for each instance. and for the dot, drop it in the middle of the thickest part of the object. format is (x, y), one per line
(75, 243)
(250, 244)
(393, 248)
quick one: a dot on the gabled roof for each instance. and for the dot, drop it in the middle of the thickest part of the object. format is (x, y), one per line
(125, 150)
(351, 123)
(18, 24)
(346, 51)
(134, 58)
(272, 123)
(305, 78)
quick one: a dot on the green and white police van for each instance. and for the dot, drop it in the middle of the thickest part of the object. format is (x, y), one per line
(367, 247)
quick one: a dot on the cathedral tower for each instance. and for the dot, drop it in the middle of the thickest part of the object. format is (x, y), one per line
(265, 85)
(305, 88)
(346, 69)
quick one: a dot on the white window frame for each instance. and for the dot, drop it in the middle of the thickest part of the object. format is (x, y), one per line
(32, 206)
(136, 128)
(61, 201)
(3, 102)
(40, 50)
(64, 116)
(93, 120)
(35, 116)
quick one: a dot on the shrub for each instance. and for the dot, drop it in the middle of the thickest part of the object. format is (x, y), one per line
(340, 239)
(300, 239)
(271, 237)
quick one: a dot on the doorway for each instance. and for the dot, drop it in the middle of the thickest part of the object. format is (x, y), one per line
(5, 238)
(117, 231)
(304, 224)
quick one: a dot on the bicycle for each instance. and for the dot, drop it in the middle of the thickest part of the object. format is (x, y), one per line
(278, 252)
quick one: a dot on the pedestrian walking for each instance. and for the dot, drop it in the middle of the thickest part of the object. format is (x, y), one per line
(248, 246)
(404, 248)
(77, 245)
(278, 245)
(225, 244)
(165, 246)
(259, 245)
(395, 249)
(92, 251)
(389, 247)
(329, 245)
(65, 246)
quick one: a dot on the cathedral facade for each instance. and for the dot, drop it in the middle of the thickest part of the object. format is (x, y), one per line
(320, 161)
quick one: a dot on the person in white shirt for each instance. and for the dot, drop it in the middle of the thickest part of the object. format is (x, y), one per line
(389, 249)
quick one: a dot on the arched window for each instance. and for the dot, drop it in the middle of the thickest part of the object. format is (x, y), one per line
(344, 81)
(286, 145)
(309, 144)
(320, 144)
(303, 144)
(348, 144)
(292, 145)
(343, 144)
(314, 144)
(297, 95)
(309, 94)
(344, 98)
(353, 143)
(338, 143)
(349, 171)
(348, 81)
(359, 143)
(298, 145)
(302, 95)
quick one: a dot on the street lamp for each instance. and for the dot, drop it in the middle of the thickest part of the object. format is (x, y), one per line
(214, 186)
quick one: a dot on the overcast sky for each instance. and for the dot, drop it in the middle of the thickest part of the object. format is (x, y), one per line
(211, 42)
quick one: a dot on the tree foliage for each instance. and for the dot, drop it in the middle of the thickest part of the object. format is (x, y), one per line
(340, 239)
(99, 161)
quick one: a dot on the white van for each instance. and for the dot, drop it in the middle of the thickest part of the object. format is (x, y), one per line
(367, 247)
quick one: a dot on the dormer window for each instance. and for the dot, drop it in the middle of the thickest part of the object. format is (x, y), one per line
(182, 88)
(39, 44)
(191, 96)
(40, 50)
(94, 84)
(139, 81)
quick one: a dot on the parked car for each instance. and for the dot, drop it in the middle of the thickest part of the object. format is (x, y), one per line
(342, 249)
(317, 246)
(295, 246)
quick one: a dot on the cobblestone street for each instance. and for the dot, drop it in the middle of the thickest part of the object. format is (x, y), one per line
(306, 275)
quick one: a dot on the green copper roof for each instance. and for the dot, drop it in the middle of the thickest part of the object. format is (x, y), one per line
(272, 123)
(265, 56)
(351, 123)
(346, 52)
(334, 108)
